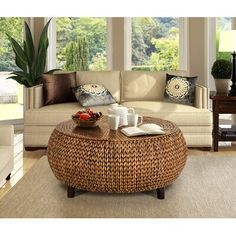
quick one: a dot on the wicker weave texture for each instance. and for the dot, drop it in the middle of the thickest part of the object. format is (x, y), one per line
(100, 160)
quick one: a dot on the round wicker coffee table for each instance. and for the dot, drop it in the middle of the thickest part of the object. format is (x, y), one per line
(100, 160)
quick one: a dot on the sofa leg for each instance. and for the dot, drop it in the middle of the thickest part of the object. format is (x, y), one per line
(8, 177)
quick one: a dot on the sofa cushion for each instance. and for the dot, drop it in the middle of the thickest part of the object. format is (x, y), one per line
(109, 79)
(93, 95)
(182, 115)
(177, 113)
(57, 88)
(56, 113)
(144, 85)
(180, 89)
(6, 155)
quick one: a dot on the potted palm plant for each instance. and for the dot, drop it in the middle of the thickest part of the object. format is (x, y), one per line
(221, 71)
(31, 61)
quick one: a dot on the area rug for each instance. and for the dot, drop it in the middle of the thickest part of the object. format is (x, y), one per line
(206, 188)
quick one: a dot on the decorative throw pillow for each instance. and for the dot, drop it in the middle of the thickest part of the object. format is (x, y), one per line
(180, 89)
(57, 88)
(93, 95)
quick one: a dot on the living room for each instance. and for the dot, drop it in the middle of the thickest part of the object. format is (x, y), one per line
(134, 58)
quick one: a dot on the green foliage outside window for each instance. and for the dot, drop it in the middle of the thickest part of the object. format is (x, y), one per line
(155, 43)
(94, 30)
(167, 55)
(14, 27)
(77, 55)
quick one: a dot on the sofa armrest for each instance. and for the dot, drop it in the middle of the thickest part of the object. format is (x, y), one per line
(33, 97)
(8, 138)
(201, 97)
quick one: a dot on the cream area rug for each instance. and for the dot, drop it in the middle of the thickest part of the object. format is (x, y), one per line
(206, 188)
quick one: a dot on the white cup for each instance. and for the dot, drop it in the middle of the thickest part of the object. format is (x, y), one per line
(133, 119)
(113, 121)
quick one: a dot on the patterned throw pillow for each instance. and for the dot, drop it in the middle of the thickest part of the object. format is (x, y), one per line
(93, 95)
(180, 89)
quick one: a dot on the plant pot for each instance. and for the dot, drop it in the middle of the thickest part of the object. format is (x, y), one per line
(222, 85)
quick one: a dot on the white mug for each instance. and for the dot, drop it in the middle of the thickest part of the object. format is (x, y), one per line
(113, 121)
(133, 119)
(122, 112)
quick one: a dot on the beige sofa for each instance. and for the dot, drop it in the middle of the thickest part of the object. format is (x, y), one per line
(144, 91)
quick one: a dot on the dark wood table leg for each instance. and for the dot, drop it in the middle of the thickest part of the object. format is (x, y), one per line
(161, 193)
(215, 134)
(70, 191)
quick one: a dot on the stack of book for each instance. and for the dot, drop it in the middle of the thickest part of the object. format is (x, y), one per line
(228, 132)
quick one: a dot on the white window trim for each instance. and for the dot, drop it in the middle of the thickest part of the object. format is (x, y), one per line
(127, 43)
(210, 50)
(51, 55)
(109, 50)
(183, 44)
(18, 123)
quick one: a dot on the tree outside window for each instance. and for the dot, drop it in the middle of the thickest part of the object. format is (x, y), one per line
(155, 43)
(81, 43)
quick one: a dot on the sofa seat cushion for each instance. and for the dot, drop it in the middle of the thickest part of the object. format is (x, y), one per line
(56, 113)
(182, 115)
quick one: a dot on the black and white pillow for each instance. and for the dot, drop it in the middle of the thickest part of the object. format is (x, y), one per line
(93, 95)
(180, 89)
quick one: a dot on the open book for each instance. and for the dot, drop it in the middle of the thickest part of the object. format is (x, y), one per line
(145, 129)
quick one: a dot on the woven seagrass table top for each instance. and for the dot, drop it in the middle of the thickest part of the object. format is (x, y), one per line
(102, 131)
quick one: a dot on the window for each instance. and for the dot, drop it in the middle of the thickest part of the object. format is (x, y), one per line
(11, 93)
(81, 43)
(155, 43)
(222, 24)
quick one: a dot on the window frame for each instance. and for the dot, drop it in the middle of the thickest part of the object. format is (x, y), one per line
(51, 56)
(183, 44)
(18, 123)
(127, 63)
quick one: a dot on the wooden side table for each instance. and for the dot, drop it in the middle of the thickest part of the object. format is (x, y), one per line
(222, 104)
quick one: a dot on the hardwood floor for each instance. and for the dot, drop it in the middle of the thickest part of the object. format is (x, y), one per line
(23, 160)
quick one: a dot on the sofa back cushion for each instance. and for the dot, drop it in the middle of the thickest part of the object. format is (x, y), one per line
(144, 85)
(109, 79)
